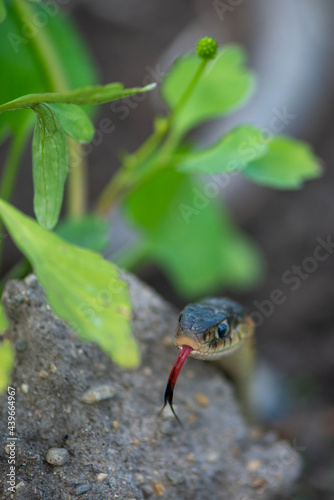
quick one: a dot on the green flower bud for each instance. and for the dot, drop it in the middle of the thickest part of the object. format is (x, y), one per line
(207, 48)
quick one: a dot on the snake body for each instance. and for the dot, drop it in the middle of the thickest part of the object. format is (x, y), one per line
(216, 329)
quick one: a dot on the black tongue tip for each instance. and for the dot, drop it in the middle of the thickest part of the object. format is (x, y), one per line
(169, 392)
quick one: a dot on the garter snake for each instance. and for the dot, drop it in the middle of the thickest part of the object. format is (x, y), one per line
(216, 329)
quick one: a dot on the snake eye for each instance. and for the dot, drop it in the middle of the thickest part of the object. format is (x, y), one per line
(223, 329)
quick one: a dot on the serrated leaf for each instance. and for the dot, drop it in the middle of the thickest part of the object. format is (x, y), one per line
(92, 95)
(50, 166)
(89, 231)
(232, 152)
(223, 86)
(190, 236)
(74, 121)
(82, 288)
(7, 359)
(3, 11)
(286, 165)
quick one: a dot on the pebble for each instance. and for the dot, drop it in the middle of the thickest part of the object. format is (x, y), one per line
(175, 477)
(158, 488)
(101, 476)
(25, 388)
(259, 483)
(98, 393)
(253, 465)
(202, 399)
(57, 456)
(79, 489)
(212, 456)
(147, 491)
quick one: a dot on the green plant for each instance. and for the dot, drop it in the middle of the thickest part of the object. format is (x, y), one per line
(187, 232)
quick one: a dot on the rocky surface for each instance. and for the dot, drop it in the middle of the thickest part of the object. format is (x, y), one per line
(70, 396)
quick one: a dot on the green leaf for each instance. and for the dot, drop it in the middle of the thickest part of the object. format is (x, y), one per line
(3, 11)
(92, 95)
(223, 86)
(232, 152)
(286, 165)
(89, 231)
(82, 288)
(50, 166)
(7, 359)
(74, 121)
(18, 58)
(191, 236)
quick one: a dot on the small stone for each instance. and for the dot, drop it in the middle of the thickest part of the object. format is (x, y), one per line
(52, 368)
(57, 456)
(21, 345)
(79, 489)
(212, 457)
(136, 442)
(253, 465)
(101, 476)
(147, 491)
(202, 399)
(43, 374)
(259, 483)
(158, 488)
(98, 393)
(25, 388)
(190, 457)
(147, 371)
(115, 425)
(139, 478)
(175, 477)
(19, 485)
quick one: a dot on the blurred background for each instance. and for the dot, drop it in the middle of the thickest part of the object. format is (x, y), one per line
(290, 47)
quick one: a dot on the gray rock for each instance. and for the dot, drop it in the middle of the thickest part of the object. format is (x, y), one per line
(57, 456)
(214, 455)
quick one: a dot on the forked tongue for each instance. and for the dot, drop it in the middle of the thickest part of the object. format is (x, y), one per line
(180, 360)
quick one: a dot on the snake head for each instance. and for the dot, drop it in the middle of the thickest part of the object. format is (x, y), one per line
(213, 327)
(207, 330)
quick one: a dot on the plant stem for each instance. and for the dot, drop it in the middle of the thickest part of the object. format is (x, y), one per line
(122, 180)
(12, 163)
(44, 49)
(185, 97)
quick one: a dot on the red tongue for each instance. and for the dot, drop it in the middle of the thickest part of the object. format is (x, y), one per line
(180, 360)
